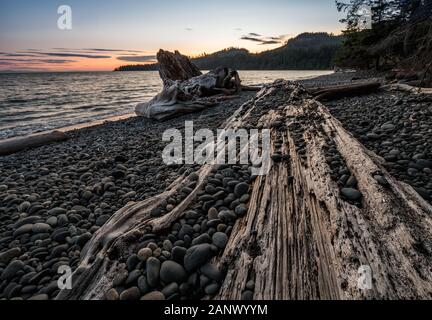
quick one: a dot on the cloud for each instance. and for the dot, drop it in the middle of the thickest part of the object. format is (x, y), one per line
(35, 61)
(77, 55)
(188, 29)
(151, 58)
(16, 54)
(97, 50)
(265, 40)
(268, 42)
(238, 29)
(251, 39)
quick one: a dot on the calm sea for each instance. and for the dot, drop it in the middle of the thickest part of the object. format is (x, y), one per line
(36, 102)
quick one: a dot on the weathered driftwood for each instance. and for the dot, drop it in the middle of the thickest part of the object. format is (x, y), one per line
(299, 239)
(407, 88)
(186, 90)
(13, 145)
(175, 66)
(340, 91)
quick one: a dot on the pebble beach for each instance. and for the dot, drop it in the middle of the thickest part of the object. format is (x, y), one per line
(54, 198)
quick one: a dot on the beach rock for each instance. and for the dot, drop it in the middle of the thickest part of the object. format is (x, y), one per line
(143, 285)
(27, 220)
(56, 211)
(241, 189)
(133, 277)
(250, 285)
(83, 239)
(203, 238)
(424, 163)
(112, 295)
(120, 278)
(131, 262)
(381, 180)
(167, 245)
(24, 206)
(12, 268)
(373, 136)
(39, 297)
(212, 214)
(388, 127)
(212, 289)
(227, 215)
(197, 255)
(153, 271)
(172, 272)
(351, 194)
(240, 210)
(41, 228)
(170, 289)
(27, 228)
(144, 254)
(62, 220)
(220, 240)
(351, 182)
(211, 271)
(178, 254)
(52, 221)
(153, 296)
(7, 256)
(100, 221)
(247, 295)
(130, 294)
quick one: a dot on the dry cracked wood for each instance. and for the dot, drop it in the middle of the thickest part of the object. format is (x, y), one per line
(299, 239)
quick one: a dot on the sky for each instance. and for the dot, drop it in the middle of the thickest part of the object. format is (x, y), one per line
(105, 34)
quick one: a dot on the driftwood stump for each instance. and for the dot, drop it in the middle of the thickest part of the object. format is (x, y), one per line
(301, 238)
(186, 90)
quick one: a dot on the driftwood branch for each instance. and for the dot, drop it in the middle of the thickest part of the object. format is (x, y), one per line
(337, 92)
(13, 145)
(407, 88)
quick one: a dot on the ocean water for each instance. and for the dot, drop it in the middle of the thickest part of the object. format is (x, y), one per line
(35, 102)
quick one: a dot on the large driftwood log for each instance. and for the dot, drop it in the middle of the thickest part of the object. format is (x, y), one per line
(186, 90)
(300, 239)
(13, 145)
(347, 90)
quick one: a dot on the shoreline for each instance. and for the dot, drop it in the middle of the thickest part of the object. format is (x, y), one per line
(84, 124)
(73, 127)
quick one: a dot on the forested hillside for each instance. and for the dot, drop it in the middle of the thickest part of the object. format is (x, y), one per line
(308, 51)
(400, 37)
